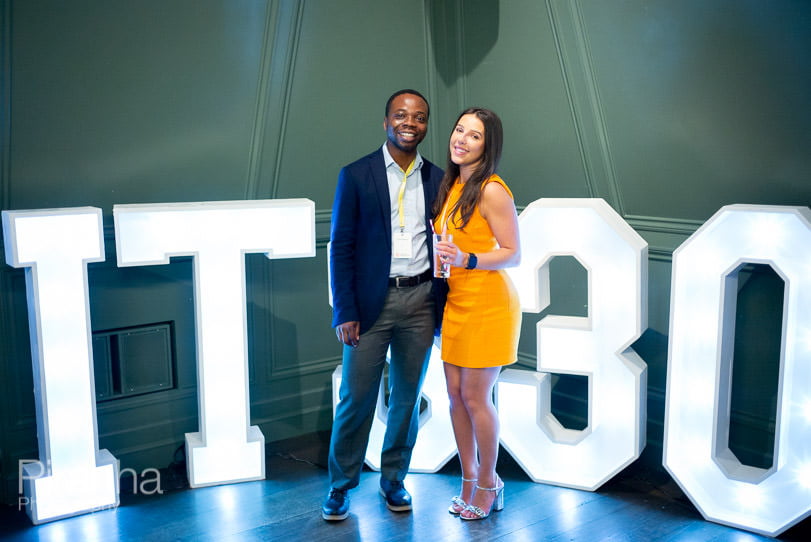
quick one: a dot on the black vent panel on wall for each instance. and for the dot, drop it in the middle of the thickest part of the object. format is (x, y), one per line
(133, 361)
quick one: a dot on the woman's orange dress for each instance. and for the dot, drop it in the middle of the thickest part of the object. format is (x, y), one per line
(482, 320)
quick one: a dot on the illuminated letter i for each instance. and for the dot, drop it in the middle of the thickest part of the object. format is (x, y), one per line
(54, 246)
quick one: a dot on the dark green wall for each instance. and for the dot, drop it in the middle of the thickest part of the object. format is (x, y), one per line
(667, 110)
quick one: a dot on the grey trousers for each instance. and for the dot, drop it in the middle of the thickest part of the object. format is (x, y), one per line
(406, 324)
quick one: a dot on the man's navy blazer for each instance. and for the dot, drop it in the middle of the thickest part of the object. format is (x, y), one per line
(361, 238)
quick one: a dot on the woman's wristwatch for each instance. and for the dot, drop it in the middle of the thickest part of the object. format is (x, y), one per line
(472, 261)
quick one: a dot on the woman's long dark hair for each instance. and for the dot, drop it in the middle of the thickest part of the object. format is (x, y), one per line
(472, 190)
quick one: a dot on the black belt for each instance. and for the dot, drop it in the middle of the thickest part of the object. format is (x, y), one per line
(410, 282)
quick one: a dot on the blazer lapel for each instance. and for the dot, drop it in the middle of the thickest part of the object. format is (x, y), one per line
(380, 183)
(429, 189)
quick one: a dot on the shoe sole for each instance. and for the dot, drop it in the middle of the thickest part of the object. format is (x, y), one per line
(334, 517)
(392, 507)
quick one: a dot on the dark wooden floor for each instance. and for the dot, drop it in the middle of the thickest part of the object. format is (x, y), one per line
(640, 504)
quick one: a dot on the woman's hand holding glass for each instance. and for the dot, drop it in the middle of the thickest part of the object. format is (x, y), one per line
(450, 253)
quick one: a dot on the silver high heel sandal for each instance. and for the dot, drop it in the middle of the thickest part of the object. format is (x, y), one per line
(498, 503)
(457, 503)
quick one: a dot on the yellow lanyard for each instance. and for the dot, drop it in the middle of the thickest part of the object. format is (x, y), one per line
(400, 211)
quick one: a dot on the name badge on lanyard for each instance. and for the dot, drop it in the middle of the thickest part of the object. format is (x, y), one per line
(402, 245)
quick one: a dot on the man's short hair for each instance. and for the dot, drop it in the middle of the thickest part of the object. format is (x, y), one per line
(405, 91)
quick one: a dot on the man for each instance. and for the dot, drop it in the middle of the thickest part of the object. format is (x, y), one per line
(383, 296)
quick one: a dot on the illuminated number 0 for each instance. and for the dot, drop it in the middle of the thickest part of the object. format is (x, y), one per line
(696, 442)
(597, 346)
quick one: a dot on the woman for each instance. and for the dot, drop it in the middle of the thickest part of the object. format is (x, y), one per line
(482, 317)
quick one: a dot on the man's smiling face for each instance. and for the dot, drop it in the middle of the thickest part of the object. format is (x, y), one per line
(406, 122)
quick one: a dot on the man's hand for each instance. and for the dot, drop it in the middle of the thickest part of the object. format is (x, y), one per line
(348, 333)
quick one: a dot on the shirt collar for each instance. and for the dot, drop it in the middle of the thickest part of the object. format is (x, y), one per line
(389, 161)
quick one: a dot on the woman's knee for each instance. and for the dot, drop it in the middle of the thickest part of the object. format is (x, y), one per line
(455, 397)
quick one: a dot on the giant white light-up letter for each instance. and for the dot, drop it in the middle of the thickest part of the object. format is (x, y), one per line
(218, 235)
(597, 346)
(702, 320)
(54, 246)
(435, 444)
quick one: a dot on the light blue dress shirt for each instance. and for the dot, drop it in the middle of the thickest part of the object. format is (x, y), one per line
(414, 214)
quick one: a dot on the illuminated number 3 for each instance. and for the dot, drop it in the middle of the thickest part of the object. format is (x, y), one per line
(596, 346)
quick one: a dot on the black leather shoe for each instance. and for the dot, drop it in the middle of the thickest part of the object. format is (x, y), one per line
(336, 507)
(397, 498)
